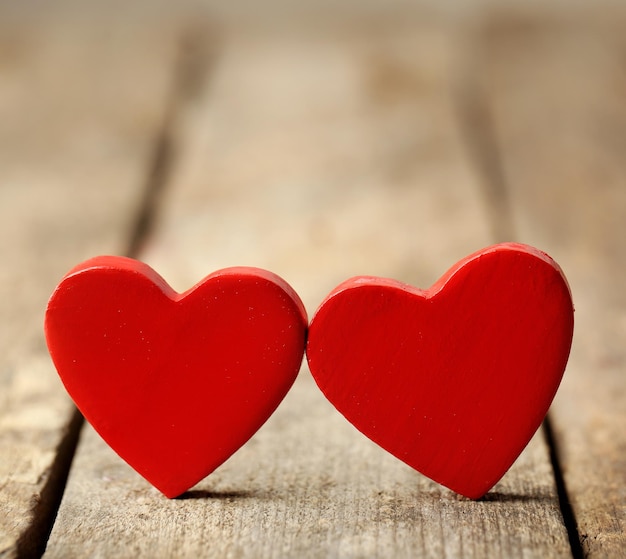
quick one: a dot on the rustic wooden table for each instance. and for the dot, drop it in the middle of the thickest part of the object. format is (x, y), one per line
(320, 144)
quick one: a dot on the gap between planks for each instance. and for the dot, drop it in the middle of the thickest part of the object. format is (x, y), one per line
(55, 134)
(564, 139)
(190, 68)
(550, 93)
(195, 60)
(477, 126)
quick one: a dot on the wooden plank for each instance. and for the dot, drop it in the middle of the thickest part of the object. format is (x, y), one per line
(557, 98)
(318, 156)
(79, 110)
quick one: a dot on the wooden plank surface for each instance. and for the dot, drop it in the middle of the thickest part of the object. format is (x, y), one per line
(318, 156)
(557, 97)
(76, 134)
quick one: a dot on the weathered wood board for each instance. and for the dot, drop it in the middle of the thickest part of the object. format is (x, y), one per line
(556, 93)
(318, 156)
(76, 136)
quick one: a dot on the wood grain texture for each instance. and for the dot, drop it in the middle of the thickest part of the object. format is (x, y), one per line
(318, 157)
(76, 131)
(556, 92)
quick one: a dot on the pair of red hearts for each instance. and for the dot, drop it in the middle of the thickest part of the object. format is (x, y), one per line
(453, 380)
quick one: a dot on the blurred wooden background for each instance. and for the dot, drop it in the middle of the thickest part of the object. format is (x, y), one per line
(320, 141)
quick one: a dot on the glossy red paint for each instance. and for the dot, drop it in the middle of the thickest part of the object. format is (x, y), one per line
(453, 380)
(174, 383)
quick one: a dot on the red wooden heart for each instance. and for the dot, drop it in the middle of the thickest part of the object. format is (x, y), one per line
(175, 383)
(453, 380)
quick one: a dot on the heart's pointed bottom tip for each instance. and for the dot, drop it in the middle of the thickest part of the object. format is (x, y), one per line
(474, 496)
(173, 494)
(173, 490)
(470, 494)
